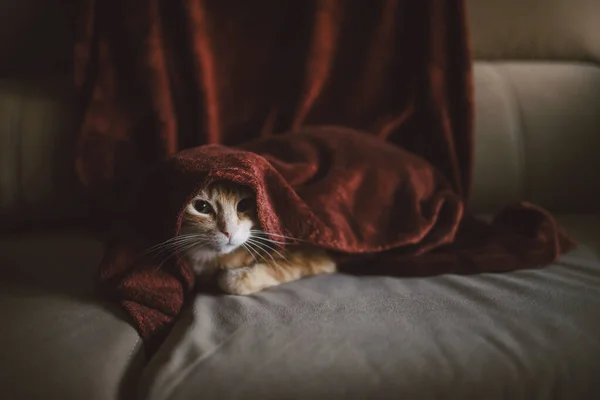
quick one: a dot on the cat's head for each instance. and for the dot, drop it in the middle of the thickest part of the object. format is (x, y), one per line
(219, 220)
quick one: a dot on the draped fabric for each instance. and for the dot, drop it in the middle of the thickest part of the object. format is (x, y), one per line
(155, 77)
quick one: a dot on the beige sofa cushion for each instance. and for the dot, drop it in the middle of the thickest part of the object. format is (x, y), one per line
(58, 340)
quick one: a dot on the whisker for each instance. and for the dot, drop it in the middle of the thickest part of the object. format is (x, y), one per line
(269, 240)
(277, 252)
(175, 246)
(257, 252)
(184, 247)
(168, 242)
(254, 247)
(178, 237)
(244, 245)
(260, 245)
(260, 240)
(189, 246)
(275, 235)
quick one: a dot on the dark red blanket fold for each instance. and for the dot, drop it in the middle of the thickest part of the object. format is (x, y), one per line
(157, 77)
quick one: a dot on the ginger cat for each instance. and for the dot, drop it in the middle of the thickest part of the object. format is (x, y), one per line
(220, 236)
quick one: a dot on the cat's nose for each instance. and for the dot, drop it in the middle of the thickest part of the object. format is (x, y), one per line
(227, 234)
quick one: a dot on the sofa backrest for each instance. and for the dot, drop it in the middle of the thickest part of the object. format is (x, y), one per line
(537, 113)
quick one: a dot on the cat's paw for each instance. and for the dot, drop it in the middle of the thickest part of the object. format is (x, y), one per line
(237, 281)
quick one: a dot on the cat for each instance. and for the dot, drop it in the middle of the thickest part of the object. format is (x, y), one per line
(220, 237)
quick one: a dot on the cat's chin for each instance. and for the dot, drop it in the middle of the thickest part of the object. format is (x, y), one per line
(203, 255)
(208, 254)
(228, 248)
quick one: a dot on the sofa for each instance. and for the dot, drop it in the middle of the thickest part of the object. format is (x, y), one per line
(532, 334)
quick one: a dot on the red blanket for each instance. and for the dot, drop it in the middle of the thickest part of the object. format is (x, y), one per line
(381, 178)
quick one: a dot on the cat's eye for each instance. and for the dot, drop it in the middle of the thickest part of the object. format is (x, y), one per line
(203, 207)
(245, 205)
